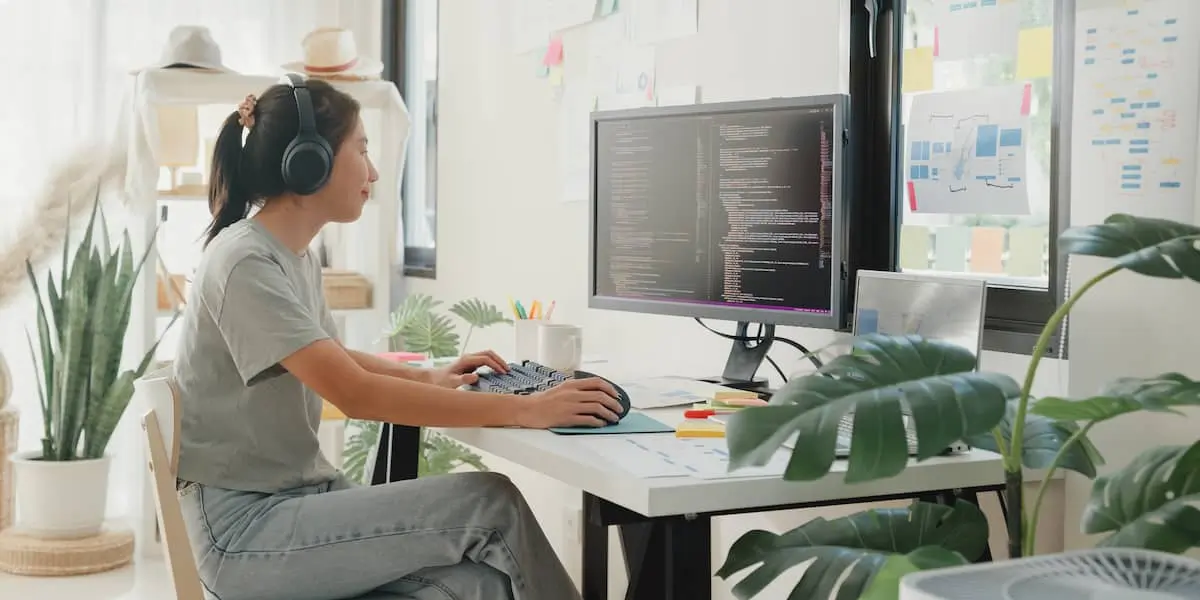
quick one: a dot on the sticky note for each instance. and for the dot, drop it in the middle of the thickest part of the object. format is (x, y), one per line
(556, 76)
(914, 247)
(554, 52)
(607, 7)
(987, 250)
(918, 69)
(696, 428)
(1035, 53)
(1026, 252)
(950, 249)
(727, 395)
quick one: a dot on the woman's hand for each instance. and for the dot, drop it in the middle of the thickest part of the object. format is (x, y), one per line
(462, 371)
(590, 402)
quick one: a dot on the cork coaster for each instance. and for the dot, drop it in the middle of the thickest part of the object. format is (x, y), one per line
(24, 555)
(8, 445)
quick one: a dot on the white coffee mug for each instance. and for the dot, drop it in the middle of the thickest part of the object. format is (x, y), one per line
(525, 332)
(560, 346)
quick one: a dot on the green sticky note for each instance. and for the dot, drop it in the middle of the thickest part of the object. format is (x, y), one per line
(606, 7)
(914, 247)
(1026, 252)
(950, 249)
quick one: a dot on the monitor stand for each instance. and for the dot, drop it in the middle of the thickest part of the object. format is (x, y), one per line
(745, 357)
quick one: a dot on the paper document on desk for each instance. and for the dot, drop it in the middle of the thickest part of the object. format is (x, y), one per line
(668, 391)
(669, 456)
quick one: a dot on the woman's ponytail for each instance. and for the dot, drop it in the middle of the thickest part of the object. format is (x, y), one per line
(228, 198)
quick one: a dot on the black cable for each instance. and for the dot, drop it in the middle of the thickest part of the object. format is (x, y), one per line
(759, 339)
(777, 369)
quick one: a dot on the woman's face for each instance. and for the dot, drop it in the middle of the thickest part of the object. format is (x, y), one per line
(349, 184)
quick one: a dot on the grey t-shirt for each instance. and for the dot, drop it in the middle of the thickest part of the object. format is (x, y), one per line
(246, 423)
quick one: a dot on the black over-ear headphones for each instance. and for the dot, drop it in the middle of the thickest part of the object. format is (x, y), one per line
(308, 159)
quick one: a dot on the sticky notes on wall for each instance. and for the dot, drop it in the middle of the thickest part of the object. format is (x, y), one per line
(987, 250)
(918, 70)
(915, 243)
(1026, 252)
(1035, 53)
(950, 249)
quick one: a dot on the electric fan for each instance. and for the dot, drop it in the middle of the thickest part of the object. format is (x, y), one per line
(1099, 574)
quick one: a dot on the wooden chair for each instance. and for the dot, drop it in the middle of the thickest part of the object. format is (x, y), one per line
(158, 392)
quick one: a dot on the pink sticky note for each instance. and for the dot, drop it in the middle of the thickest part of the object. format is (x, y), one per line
(554, 52)
(1026, 99)
(402, 356)
(935, 41)
(912, 197)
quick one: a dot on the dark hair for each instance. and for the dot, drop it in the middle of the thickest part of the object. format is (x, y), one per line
(244, 176)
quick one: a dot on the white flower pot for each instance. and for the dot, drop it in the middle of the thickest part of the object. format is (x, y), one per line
(60, 499)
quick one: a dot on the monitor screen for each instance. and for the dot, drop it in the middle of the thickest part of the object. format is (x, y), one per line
(727, 211)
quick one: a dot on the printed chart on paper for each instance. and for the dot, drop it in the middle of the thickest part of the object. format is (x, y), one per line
(967, 151)
(1136, 102)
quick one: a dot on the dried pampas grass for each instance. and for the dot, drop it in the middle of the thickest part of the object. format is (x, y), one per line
(66, 198)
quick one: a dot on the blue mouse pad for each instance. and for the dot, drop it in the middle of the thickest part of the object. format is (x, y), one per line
(634, 422)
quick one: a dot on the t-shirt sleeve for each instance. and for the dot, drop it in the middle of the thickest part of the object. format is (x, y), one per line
(262, 318)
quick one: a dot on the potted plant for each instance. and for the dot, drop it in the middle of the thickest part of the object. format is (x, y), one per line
(865, 555)
(417, 326)
(81, 322)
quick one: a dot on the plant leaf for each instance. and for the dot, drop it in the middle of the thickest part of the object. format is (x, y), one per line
(1125, 395)
(886, 583)
(1151, 247)
(879, 380)
(853, 548)
(1044, 437)
(478, 313)
(413, 307)
(1151, 503)
(360, 448)
(431, 334)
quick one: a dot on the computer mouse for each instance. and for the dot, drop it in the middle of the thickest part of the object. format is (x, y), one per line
(622, 395)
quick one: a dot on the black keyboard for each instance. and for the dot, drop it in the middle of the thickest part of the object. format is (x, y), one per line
(528, 377)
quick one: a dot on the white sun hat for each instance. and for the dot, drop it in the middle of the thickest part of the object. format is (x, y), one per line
(191, 46)
(332, 53)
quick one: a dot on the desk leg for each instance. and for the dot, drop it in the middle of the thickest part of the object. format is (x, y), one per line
(669, 559)
(595, 551)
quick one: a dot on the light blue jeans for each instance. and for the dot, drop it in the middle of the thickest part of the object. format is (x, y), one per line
(466, 536)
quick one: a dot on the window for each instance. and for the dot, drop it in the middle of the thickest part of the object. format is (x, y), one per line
(411, 59)
(958, 210)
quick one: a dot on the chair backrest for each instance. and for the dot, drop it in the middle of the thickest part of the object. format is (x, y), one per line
(158, 392)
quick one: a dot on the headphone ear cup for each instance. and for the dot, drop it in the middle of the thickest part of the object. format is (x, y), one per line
(307, 164)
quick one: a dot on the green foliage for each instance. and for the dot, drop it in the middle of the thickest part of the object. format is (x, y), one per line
(877, 381)
(1151, 503)
(81, 324)
(852, 549)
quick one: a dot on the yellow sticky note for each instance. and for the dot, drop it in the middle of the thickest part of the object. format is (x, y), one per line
(1026, 251)
(918, 69)
(987, 250)
(914, 247)
(556, 76)
(696, 428)
(1035, 53)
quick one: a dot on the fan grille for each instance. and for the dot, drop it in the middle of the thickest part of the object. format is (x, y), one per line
(1086, 575)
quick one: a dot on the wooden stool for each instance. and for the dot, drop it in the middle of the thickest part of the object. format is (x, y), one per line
(9, 419)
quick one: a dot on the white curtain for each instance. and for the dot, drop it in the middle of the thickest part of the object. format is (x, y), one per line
(67, 66)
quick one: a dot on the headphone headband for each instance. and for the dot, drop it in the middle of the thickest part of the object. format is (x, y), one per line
(304, 107)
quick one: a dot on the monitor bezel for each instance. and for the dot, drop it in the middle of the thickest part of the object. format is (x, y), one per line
(840, 103)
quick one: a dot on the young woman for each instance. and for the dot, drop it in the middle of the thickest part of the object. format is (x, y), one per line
(268, 517)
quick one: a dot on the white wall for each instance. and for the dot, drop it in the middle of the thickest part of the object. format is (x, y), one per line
(503, 232)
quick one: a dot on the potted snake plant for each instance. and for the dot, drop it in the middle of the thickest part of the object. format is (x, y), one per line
(80, 326)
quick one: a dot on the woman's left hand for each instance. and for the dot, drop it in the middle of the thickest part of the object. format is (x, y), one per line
(462, 371)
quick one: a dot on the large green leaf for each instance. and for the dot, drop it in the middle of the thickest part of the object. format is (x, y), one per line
(886, 583)
(414, 306)
(478, 313)
(851, 550)
(1151, 503)
(1125, 395)
(431, 334)
(1152, 247)
(881, 379)
(1043, 439)
(360, 447)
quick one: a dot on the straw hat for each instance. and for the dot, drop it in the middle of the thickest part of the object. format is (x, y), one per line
(332, 53)
(191, 46)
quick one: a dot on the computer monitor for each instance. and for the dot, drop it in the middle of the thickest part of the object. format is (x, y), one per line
(945, 308)
(727, 211)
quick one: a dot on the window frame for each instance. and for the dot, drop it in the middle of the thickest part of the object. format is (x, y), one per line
(1014, 317)
(419, 261)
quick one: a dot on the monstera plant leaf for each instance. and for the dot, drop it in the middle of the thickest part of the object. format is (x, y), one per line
(850, 551)
(431, 334)
(478, 313)
(1125, 395)
(1152, 247)
(879, 380)
(1151, 503)
(886, 583)
(1043, 439)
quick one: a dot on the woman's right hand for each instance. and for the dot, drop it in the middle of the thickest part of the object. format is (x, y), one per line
(590, 402)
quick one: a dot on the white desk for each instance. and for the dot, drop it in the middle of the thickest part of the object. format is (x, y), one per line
(665, 522)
